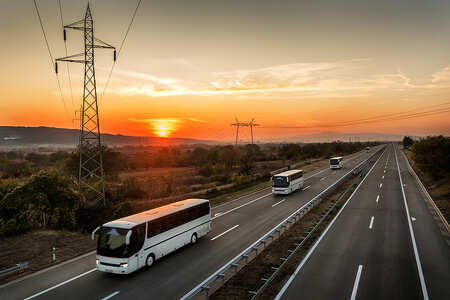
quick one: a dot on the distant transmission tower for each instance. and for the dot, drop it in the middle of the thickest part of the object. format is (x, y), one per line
(90, 180)
(238, 124)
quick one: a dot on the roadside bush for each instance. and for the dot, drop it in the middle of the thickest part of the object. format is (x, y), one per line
(45, 200)
(431, 155)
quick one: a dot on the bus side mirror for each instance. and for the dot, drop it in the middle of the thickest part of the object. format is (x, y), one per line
(127, 238)
(93, 232)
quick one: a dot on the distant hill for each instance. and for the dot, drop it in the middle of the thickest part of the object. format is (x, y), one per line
(21, 136)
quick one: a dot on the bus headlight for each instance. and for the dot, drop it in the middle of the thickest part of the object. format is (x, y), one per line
(97, 261)
(123, 265)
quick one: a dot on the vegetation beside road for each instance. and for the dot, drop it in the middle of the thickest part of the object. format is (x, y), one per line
(431, 160)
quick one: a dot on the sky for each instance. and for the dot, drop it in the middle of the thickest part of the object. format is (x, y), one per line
(192, 68)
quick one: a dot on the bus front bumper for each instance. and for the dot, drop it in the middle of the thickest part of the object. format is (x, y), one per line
(116, 267)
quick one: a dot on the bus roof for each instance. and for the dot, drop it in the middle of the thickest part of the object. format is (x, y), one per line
(152, 214)
(288, 173)
(337, 157)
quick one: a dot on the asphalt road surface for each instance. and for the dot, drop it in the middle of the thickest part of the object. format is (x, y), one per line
(384, 244)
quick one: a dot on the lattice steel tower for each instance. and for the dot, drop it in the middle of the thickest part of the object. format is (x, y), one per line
(90, 180)
(239, 124)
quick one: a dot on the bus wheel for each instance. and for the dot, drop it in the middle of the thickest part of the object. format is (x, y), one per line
(193, 238)
(150, 260)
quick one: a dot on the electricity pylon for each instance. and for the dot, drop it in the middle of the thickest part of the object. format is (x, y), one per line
(90, 178)
(238, 124)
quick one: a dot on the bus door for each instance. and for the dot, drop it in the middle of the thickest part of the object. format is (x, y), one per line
(136, 248)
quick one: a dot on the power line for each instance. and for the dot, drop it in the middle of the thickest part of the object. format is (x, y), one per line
(379, 119)
(65, 46)
(51, 57)
(120, 48)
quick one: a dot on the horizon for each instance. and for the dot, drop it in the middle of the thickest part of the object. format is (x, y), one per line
(187, 70)
(322, 137)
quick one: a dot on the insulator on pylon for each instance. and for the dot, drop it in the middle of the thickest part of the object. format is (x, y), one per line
(56, 67)
(64, 34)
(115, 55)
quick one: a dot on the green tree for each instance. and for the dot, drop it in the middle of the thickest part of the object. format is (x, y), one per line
(228, 156)
(407, 142)
(199, 156)
(431, 155)
(112, 162)
(45, 199)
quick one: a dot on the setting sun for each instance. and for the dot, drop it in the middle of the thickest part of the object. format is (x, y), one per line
(162, 127)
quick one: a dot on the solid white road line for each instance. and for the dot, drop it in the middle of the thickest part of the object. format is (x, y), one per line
(411, 231)
(355, 286)
(371, 223)
(58, 285)
(218, 236)
(110, 296)
(278, 202)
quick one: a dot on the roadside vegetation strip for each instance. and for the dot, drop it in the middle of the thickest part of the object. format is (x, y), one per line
(427, 194)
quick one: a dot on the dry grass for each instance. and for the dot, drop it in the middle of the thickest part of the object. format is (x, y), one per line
(36, 248)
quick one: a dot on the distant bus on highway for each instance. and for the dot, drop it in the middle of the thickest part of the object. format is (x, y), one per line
(367, 149)
(336, 163)
(287, 182)
(130, 243)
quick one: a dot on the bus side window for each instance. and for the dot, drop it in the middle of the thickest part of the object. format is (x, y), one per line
(141, 234)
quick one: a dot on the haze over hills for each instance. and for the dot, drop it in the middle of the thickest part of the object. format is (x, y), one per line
(345, 137)
(23, 136)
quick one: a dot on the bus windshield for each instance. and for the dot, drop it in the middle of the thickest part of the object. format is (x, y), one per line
(112, 242)
(280, 181)
(334, 161)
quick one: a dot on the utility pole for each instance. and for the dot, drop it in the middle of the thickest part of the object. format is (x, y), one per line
(90, 178)
(238, 124)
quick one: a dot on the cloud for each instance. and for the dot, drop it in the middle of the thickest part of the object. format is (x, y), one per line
(317, 79)
(441, 76)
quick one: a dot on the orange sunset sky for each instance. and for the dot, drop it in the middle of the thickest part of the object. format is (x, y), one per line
(188, 68)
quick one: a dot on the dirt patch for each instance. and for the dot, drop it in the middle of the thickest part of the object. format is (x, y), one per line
(36, 248)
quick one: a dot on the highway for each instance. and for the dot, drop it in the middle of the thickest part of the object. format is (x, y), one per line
(384, 244)
(235, 225)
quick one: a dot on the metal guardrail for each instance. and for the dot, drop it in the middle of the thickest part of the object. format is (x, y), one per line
(18, 268)
(236, 263)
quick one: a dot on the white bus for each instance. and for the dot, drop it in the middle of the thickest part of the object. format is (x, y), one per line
(287, 182)
(130, 243)
(336, 163)
(367, 149)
